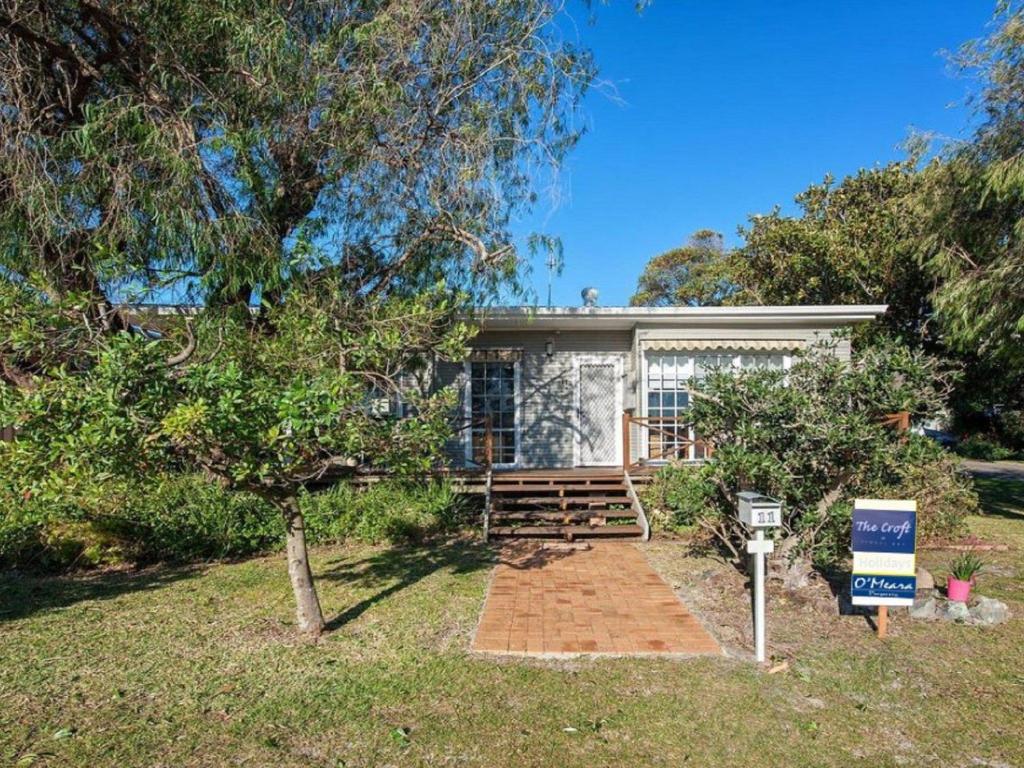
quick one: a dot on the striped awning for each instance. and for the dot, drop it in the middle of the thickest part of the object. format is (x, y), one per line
(740, 345)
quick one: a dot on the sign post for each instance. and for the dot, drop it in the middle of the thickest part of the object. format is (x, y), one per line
(759, 512)
(884, 551)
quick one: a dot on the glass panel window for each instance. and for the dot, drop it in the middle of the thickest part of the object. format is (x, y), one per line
(707, 364)
(762, 361)
(670, 377)
(492, 386)
(668, 433)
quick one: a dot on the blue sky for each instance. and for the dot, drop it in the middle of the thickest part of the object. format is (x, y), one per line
(728, 109)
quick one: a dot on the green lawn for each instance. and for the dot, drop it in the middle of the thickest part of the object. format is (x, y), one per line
(1001, 497)
(190, 667)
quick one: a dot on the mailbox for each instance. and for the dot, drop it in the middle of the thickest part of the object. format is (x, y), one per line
(759, 511)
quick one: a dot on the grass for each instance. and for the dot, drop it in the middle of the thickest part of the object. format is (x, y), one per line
(200, 667)
(1001, 496)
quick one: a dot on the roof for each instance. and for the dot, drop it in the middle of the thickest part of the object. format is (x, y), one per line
(627, 318)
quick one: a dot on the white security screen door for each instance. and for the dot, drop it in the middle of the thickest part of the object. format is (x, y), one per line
(599, 413)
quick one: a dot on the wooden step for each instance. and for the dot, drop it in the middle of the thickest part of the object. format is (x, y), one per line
(530, 487)
(545, 477)
(559, 500)
(569, 531)
(567, 515)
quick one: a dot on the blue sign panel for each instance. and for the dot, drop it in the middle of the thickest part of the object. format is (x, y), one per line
(884, 533)
(884, 587)
(884, 530)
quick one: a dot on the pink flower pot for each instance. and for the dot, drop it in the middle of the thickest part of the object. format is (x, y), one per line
(957, 590)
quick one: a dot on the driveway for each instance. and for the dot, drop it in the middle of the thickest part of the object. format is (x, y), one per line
(603, 599)
(1005, 470)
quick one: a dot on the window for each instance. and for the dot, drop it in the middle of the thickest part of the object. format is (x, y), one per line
(670, 377)
(668, 398)
(492, 393)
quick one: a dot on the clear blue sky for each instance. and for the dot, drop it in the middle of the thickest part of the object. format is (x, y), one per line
(728, 109)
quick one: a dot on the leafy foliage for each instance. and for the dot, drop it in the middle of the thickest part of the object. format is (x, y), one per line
(328, 184)
(854, 242)
(813, 438)
(692, 276)
(984, 447)
(976, 204)
(388, 511)
(186, 517)
(966, 566)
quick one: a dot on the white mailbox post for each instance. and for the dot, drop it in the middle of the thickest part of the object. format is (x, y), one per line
(759, 512)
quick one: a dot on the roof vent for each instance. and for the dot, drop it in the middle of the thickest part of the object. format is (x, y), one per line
(589, 295)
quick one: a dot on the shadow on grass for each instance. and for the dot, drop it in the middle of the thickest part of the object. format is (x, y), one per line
(1000, 496)
(23, 595)
(396, 568)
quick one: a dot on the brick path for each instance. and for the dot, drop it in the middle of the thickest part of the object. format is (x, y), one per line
(603, 600)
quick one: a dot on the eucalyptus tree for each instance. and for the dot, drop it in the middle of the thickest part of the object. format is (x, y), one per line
(974, 202)
(328, 184)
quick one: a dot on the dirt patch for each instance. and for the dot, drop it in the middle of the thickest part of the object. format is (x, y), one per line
(720, 594)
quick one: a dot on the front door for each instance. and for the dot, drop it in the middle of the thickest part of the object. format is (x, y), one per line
(598, 412)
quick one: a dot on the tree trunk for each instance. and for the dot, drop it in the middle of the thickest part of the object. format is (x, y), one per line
(307, 604)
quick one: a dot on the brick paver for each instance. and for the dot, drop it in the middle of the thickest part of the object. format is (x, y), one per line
(605, 599)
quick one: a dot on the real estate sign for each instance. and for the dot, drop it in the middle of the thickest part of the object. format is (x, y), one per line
(884, 545)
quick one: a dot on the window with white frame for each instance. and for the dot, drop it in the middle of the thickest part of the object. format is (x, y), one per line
(670, 377)
(492, 395)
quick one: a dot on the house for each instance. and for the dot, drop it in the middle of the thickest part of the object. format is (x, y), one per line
(580, 386)
(566, 408)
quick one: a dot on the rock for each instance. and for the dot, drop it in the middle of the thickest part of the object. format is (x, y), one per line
(797, 576)
(956, 612)
(926, 608)
(989, 611)
(794, 574)
(925, 581)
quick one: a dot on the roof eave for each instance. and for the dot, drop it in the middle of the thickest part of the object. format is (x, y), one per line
(581, 318)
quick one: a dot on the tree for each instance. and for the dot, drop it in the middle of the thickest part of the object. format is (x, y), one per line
(854, 242)
(975, 206)
(695, 275)
(329, 184)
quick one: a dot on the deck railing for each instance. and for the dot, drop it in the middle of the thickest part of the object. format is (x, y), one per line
(667, 438)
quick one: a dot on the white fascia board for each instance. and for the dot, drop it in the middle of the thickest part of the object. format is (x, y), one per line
(624, 318)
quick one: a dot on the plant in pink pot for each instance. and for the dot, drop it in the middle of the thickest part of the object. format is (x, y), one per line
(962, 571)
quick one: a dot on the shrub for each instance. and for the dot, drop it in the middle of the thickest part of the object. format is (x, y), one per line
(813, 438)
(983, 448)
(679, 497)
(686, 497)
(944, 492)
(174, 518)
(1011, 429)
(390, 510)
(186, 517)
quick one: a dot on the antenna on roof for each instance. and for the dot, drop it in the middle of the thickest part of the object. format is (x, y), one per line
(552, 263)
